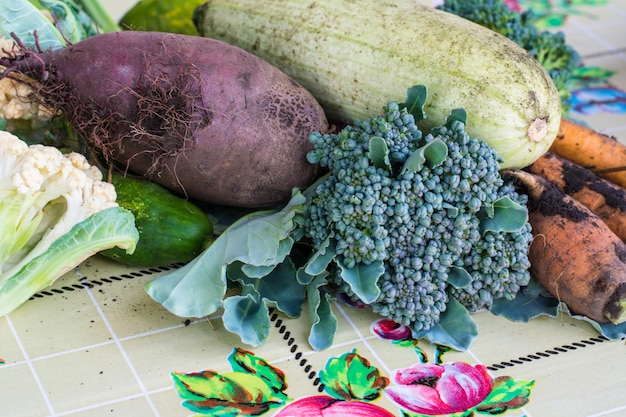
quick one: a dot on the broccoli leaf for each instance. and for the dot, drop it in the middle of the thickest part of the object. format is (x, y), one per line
(319, 261)
(279, 287)
(504, 215)
(362, 279)
(456, 115)
(455, 329)
(323, 321)
(434, 152)
(197, 288)
(247, 316)
(531, 301)
(379, 153)
(459, 277)
(415, 100)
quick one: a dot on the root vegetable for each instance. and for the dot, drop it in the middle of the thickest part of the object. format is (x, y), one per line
(196, 115)
(602, 154)
(574, 254)
(606, 199)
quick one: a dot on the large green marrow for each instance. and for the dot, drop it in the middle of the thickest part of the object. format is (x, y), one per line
(355, 56)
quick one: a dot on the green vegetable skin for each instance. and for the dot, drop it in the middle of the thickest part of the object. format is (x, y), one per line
(171, 229)
(162, 16)
(549, 47)
(355, 56)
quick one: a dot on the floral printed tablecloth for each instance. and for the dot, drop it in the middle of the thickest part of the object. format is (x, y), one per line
(95, 344)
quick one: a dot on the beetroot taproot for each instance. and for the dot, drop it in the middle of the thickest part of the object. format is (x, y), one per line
(199, 116)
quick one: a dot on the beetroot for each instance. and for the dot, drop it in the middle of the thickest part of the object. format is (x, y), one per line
(200, 117)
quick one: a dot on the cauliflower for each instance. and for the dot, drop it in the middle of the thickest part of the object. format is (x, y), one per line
(20, 114)
(14, 102)
(56, 211)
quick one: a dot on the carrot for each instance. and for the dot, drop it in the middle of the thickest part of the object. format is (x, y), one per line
(574, 254)
(600, 153)
(606, 199)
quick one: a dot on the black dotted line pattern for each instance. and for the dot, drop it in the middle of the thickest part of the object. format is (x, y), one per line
(547, 353)
(282, 329)
(83, 283)
(293, 347)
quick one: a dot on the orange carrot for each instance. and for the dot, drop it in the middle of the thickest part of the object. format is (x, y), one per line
(574, 254)
(600, 153)
(606, 199)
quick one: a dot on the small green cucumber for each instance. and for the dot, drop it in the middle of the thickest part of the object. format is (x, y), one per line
(171, 229)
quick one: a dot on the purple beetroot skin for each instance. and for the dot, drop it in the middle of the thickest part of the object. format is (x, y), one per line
(196, 115)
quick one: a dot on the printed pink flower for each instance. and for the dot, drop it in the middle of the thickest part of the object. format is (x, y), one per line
(513, 5)
(432, 389)
(390, 330)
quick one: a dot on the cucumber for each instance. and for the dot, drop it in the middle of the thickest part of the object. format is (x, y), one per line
(355, 56)
(171, 229)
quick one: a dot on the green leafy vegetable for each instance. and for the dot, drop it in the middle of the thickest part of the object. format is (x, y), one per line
(55, 22)
(56, 212)
(395, 224)
(198, 288)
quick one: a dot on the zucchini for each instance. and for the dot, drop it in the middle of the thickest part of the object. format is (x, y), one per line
(355, 56)
(171, 229)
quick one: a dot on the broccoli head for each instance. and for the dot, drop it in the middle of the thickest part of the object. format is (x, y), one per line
(549, 48)
(422, 210)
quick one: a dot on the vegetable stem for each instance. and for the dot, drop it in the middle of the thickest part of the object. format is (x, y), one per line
(100, 16)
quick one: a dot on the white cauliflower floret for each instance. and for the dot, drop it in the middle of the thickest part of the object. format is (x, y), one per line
(14, 96)
(56, 211)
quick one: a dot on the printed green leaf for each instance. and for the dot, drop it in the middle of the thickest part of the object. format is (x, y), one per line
(323, 321)
(351, 377)
(363, 279)
(412, 344)
(197, 288)
(415, 100)
(504, 215)
(244, 361)
(455, 329)
(231, 394)
(379, 153)
(506, 394)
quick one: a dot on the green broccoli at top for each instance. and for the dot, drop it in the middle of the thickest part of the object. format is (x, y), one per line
(549, 48)
(411, 220)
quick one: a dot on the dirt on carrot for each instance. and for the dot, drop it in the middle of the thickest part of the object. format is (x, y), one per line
(603, 197)
(602, 154)
(574, 254)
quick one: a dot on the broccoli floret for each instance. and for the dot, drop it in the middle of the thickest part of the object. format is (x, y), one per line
(418, 219)
(549, 48)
